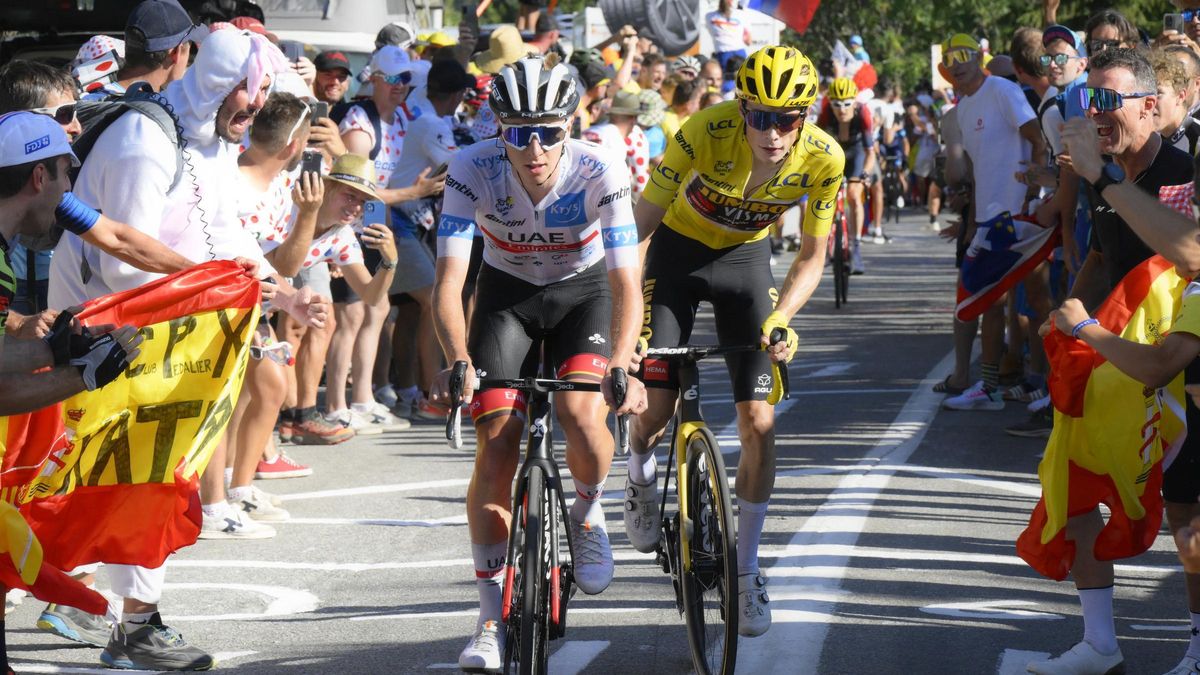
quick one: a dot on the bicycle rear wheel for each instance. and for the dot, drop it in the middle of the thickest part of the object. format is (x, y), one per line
(710, 581)
(529, 617)
(841, 267)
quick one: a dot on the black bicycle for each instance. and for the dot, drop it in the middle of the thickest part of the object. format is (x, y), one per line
(893, 192)
(698, 544)
(539, 580)
(839, 249)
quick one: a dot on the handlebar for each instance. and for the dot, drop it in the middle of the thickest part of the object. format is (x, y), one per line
(700, 352)
(780, 335)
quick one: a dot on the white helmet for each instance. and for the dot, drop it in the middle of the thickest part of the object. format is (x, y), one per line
(527, 89)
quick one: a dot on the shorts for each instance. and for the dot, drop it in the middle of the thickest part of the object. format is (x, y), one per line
(516, 322)
(414, 270)
(315, 277)
(340, 289)
(1181, 480)
(737, 281)
(856, 159)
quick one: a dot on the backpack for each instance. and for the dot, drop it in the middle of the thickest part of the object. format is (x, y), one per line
(340, 110)
(97, 116)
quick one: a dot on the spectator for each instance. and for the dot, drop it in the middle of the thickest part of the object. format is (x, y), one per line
(651, 74)
(1191, 63)
(396, 34)
(1176, 126)
(622, 135)
(545, 35)
(653, 110)
(529, 13)
(1109, 28)
(729, 32)
(686, 66)
(595, 78)
(857, 50)
(504, 47)
(333, 77)
(157, 50)
(1190, 37)
(98, 62)
(711, 74)
(710, 98)
(685, 101)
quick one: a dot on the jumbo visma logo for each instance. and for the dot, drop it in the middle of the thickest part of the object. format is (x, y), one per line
(730, 211)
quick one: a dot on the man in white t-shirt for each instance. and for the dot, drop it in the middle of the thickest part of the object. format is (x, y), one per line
(729, 33)
(1000, 133)
(622, 135)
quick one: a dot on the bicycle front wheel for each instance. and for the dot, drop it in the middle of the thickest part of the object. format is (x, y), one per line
(710, 580)
(529, 629)
(841, 264)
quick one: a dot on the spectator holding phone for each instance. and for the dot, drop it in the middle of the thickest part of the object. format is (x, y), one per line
(1182, 28)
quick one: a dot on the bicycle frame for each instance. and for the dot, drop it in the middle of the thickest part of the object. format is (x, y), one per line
(688, 420)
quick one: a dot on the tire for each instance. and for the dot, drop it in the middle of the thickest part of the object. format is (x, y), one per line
(529, 619)
(710, 582)
(674, 25)
(841, 269)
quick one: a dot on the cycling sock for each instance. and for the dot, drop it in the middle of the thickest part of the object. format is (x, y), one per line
(132, 621)
(237, 494)
(489, 579)
(642, 467)
(586, 507)
(1099, 630)
(991, 375)
(751, 516)
(409, 395)
(215, 510)
(1193, 651)
(228, 476)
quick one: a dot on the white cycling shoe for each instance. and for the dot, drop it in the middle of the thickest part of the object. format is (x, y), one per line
(1188, 666)
(483, 653)
(592, 555)
(643, 520)
(1082, 659)
(754, 616)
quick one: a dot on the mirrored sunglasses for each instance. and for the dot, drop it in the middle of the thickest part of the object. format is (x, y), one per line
(763, 120)
(1189, 14)
(956, 56)
(520, 137)
(398, 78)
(842, 103)
(1106, 100)
(1059, 60)
(63, 114)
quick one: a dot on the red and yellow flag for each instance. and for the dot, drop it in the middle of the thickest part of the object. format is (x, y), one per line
(1110, 432)
(111, 475)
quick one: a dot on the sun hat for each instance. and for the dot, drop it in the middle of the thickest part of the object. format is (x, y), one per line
(504, 47)
(355, 171)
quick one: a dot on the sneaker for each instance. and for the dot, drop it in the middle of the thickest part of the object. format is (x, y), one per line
(978, 397)
(1024, 392)
(386, 395)
(153, 647)
(282, 467)
(258, 507)
(1039, 404)
(381, 416)
(1039, 425)
(856, 262)
(482, 653)
(265, 496)
(754, 604)
(354, 421)
(75, 625)
(11, 599)
(314, 430)
(286, 430)
(1082, 659)
(643, 522)
(880, 239)
(430, 411)
(899, 202)
(592, 555)
(1188, 666)
(233, 525)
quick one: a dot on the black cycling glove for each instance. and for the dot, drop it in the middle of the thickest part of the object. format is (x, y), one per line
(104, 361)
(65, 342)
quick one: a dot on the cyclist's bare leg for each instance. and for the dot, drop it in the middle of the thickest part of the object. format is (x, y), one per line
(755, 478)
(589, 453)
(877, 207)
(645, 431)
(855, 206)
(489, 506)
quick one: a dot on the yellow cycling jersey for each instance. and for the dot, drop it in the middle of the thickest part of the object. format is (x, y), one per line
(710, 159)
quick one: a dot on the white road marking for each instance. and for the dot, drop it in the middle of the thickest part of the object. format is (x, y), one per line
(284, 601)
(377, 489)
(575, 655)
(1167, 627)
(832, 370)
(1013, 661)
(387, 522)
(475, 612)
(800, 626)
(992, 610)
(222, 659)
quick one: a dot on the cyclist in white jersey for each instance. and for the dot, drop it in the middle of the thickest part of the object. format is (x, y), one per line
(560, 282)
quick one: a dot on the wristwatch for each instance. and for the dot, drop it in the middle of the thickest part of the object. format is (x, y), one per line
(1109, 175)
(388, 264)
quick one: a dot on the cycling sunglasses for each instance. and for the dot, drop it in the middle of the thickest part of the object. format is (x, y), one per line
(1059, 60)
(1106, 100)
(521, 136)
(63, 114)
(765, 119)
(956, 56)
(842, 103)
(398, 78)
(1097, 46)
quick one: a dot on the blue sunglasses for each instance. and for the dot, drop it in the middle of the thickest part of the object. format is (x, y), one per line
(764, 119)
(1189, 14)
(399, 78)
(521, 136)
(1106, 100)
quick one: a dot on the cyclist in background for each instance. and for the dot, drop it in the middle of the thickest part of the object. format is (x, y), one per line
(727, 176)
(850, 124)
(559, 280)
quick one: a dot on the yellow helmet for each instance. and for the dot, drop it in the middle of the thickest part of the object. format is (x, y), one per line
(842, 88)
(779, 77)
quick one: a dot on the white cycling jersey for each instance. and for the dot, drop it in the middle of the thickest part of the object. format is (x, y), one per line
(586, 217)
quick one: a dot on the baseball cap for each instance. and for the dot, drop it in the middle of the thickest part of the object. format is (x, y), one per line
(856, 40)
(27, 137)
(356, 171)
(1061, 32)
(395, 34)
(960, 41)
(448, 76)
(595, 74)
(390, 60)
(165, 23)
(331, 60)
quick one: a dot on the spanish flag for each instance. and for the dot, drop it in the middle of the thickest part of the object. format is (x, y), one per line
(112, 475)
(1110, 432)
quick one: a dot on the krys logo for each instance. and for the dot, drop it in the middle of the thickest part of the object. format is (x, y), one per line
(568, 211)
(490, 165)
(590, 167)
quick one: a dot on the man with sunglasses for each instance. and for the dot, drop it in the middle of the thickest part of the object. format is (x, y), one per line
(1118, 151)
(727, 176)
(559, 281)
(1189, 10)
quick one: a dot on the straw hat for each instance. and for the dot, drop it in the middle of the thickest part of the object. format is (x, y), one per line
(357, 172)
(504, 47)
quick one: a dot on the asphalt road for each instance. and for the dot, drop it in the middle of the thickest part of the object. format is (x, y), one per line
(889, 544)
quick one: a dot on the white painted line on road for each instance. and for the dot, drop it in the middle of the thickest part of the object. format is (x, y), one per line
(992, 610)
(376, 489)
(1026, 489)
(1013, 661)
(222, 658)
(475, 612)
(284, 601)
(388, 522)
(575, 655)
(1168, 627)
(831, 370)
(800, 626)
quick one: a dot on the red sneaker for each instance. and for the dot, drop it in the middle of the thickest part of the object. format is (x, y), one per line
(282, 467)
(314, 430)
(428, 410)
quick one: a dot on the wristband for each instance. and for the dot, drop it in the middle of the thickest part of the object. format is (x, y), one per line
(1081, 325)
(75, 216)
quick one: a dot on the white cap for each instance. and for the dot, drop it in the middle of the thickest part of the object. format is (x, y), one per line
(27, 137)
(290, 82)
(390, 60)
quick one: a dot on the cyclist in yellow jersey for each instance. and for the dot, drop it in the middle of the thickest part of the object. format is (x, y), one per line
(727, 176)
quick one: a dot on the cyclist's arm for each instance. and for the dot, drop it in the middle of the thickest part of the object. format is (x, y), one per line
(455, 236)
(621, 256)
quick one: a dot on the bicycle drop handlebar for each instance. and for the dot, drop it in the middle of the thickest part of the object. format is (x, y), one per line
(701, 352)
(458, 381)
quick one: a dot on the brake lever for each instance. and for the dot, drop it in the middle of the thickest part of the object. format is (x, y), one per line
(458, 376)
(780, 335)
(620, 389)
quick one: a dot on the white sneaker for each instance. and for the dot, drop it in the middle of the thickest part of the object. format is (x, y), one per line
(754, 605)
(1039, 404)
(354, 420)
(1082, 659)
(382, 416)
(978, 397)
(643, 521)
(592, 555)
(266, 496)
(386, 395)
(1188, 666)
(482, 654)
(258, 507)
(233, 525)
(899, 202)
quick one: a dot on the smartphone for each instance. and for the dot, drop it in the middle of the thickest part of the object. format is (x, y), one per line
(440, 170)
(320, 110)
(374, 213)
(292, 49)
(1173, 22)
(312, 161)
